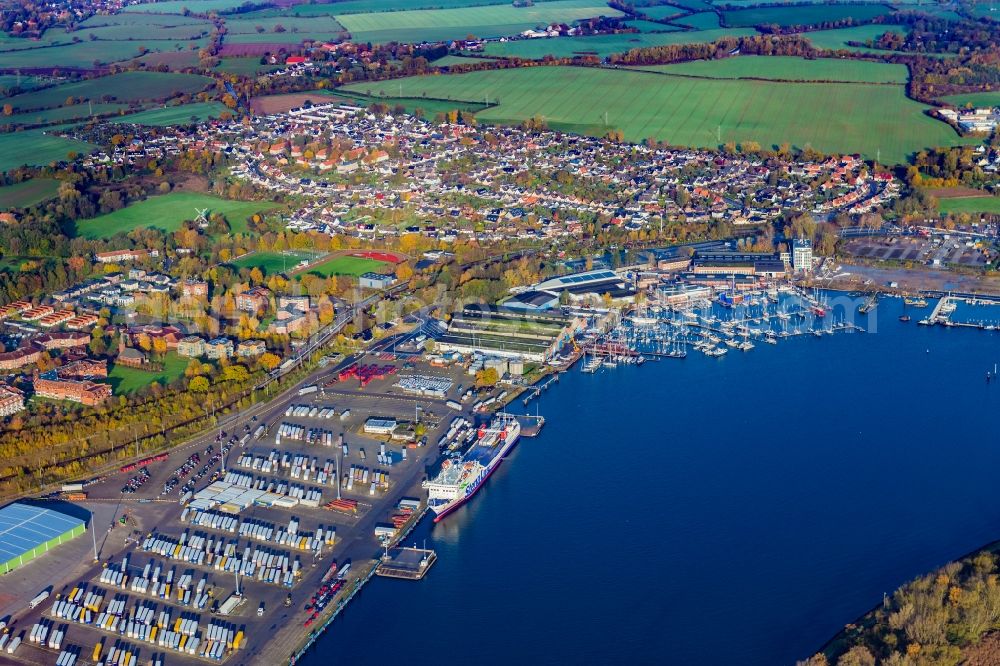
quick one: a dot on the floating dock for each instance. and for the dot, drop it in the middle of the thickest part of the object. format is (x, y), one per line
(406, 563)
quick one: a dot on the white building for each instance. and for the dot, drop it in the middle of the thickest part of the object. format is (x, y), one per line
(802, 255)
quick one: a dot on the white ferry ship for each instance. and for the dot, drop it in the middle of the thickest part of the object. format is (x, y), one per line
(459, 479)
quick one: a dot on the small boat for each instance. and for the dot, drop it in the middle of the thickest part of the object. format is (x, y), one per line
(904, 318)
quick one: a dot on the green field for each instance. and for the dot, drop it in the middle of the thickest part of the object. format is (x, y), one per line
(36, 148)
(291, 24)
(174, 115)
(10, 81)
(838, 117)
(693, 5)
(650, 26)
(351, 266)
(487, 21)
(788, 68)
(366, 7)
(449, 60)
(178, 6)
(125, 32)
(430, 107)
(274, 262)
(979, 99)
(86, 53)
(128, 380)
(61, 113)
(801, 15)
(167, 212)
(603, 45)
(124, 87)
(700, 21)
(27, 193)
(970, 205)
(660, 12)
(141, 20)
(244, 66)
(838, 39)
(289, 38)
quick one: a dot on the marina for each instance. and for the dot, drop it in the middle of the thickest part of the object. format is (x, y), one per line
(944, 313)
(714, 327)
(787, 491)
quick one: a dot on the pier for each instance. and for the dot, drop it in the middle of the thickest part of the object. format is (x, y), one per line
(536, 390)
(406, 563)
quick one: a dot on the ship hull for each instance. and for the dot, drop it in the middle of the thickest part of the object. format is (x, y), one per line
(494, 464)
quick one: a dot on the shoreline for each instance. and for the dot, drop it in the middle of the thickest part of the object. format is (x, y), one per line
(992, 546)
(313, 636)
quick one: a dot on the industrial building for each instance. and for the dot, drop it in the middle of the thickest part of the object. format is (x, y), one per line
(28, 531)
(375, 280)
(577, 287)
(759, 264)
(500, 331)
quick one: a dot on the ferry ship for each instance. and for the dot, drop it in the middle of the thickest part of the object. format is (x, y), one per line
(459, 479)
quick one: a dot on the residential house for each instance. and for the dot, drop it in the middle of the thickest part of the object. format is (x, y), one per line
(250, 348)
(219, 348)
(191, 346)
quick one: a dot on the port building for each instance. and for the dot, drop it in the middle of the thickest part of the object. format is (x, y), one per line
(499, 331)
(588, 286)
(28, 531)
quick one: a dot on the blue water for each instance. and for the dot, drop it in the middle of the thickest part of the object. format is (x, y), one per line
(707, 511)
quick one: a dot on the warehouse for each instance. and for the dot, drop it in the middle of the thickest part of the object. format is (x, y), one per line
(27, 531)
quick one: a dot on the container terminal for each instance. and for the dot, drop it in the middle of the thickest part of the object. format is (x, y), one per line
(240, 546)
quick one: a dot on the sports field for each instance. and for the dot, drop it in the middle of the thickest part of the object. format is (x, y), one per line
(487, 21)
(980, 99)
(167, 212)
(124, 87)
(124, 379)
(27, 193)
(831, 117)
(802, 15)
(274, 262)
(970, 205)
(175, 115)
(61, 113)
(351, 266)
(788, 68)
(36, 148)
(604, 45)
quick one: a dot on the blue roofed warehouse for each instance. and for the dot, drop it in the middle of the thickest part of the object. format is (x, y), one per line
(28, 531)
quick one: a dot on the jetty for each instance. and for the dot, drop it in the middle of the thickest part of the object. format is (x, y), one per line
(406, 563)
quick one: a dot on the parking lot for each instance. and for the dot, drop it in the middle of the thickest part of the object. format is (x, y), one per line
(273, 504)
(936, 251)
